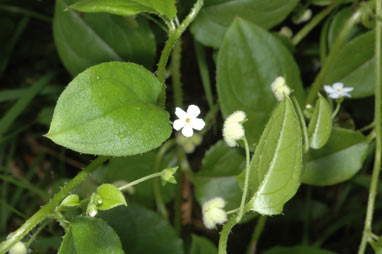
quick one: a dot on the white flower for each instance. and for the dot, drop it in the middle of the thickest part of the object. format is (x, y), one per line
(337, 90)
(304, 17)
(19, 248)
(188, 120)
(213, 212)
(233, 129)
(280, 88)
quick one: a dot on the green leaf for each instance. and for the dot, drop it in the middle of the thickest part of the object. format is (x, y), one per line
(71, 201)
(340, 159)
(249, 60)
(88, 235)
(377, 246)
(297, 250)
(276, 165)
(201, 245)
(110, 109)
(320, 125)
(354, 66)
(143, 231)
(110, 196)
(89, 39)
(217, 178)
(128, 7)
(213, 21)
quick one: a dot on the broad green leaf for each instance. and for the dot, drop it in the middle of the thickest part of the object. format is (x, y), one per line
(340, 159)
(320, 125)
(377, 246)
(354, 66)
(111, 197)
(89, 39)
(128, 7)
(249, 60)
(297, 250)
(71, 201)
(143, 231)
(88, 235)
(110, 109)
(216, 177)
(213, 21)
(201, 245)
(276, 165)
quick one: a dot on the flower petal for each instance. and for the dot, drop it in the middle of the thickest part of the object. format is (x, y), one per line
(338, 85)
(187, 131)
(346, 95)
(197, 124)
(328, 89)
(193, 111)
(348, 89)
(180, 113)
(334, 95)
(179, 124)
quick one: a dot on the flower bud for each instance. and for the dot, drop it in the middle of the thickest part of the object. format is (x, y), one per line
(19, 248)
(280, 88)
(92, 210)
(213, 212)
(233, 129)
(168, 175)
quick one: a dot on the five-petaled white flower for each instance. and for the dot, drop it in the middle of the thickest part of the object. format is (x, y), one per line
(213, 212)
(188, 120)
(337, 90)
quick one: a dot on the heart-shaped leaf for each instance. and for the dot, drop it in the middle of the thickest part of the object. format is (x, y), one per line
(88, 235)
(249, 60)
(111, 109)
(320, 125)
(276, 165)
(340, 159)
(110, 196)
(213, 20)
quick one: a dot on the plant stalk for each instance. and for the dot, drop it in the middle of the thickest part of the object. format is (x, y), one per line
(246, 180)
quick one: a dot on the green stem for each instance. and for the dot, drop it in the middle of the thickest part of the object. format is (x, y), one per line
(313, 23)
(224, 235)
(173, 38)
(302, 123)
(256, 234)
(176, 74)
(48, 209)
(318, 82)
(26, 12)
(338, 106)
(378, 129)
(140, 180)
(161, 206)
(35, 234)
(245, 189)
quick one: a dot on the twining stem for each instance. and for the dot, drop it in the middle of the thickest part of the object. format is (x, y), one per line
(256, 234)
(313, 23)
(172, 39)
(176, 58)
(246, 180)
(318, 82)
(49, 209)
(378, 130)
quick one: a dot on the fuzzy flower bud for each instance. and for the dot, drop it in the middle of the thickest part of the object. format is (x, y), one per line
(19, 248)
(213, 212)
(280, 88)
(233, 129)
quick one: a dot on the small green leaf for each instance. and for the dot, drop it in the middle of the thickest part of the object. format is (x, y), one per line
(110, 109)
(110, 196)
(128, 7)
(201, 245)
(88, 235)
(213, 20)
(217, 178)
(297, 250)
(338, 160)
(354, 66)
(249, 60)
(320, 125)
(377, 246)
(89, 39)
(71, 201)
(143, 231)
(276, 165)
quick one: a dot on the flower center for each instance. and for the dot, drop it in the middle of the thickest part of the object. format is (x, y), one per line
(188, 120)
(339, 90)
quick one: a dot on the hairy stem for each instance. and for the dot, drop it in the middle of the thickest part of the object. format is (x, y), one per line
(378, 130)
(176, 74)
(140, 180)
(49, 209)
(246, 180)
(224, 235)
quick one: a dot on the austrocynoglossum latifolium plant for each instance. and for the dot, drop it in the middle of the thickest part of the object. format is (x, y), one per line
(201, 127)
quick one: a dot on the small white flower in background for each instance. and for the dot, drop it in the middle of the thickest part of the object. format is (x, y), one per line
(188, 120)
(233, 129)
(19, 248)
(189, 144)
(304, 17)
(213, 212)
(337, 90)
(286, 32)
(280, 88)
